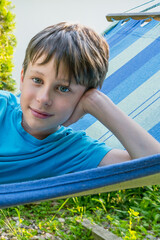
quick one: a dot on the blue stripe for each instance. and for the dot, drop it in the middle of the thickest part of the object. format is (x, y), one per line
(131, 113)
(131, 38)
(126, 29)
(119, 27)
(124, 88)
(113, 31)
(149, 105)
(84, 123)
(132, 66)
(125, 80)
(155, 131)
(128, 85)
(109, 36)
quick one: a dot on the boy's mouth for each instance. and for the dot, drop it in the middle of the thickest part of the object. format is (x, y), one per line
(38, 114)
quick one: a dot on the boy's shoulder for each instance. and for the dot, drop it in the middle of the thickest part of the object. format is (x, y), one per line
(9, 98)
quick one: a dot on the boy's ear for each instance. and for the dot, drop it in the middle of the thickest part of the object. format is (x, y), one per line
(21, 80)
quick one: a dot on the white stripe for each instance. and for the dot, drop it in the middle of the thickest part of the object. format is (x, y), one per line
(140, 94)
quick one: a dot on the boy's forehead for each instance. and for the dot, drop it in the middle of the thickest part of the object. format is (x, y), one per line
(62, 74)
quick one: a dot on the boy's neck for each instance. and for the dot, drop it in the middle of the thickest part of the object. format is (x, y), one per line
(37, 134)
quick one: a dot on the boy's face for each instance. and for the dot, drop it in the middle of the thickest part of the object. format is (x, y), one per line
(47, 100)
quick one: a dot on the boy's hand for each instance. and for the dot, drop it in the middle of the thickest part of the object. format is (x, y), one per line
(80, 109)
(87, 104)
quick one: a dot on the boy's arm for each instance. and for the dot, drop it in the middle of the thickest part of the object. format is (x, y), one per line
(137, 142)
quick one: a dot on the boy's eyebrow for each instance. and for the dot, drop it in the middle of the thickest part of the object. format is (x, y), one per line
(35, 71)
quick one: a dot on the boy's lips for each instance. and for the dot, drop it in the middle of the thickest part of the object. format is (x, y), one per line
(39, 114)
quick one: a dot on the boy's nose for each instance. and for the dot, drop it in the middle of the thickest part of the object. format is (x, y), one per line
(44, 97)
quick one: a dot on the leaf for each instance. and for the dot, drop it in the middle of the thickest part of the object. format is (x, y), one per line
(7, 45)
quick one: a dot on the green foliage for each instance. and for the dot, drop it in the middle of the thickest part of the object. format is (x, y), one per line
(7, 44)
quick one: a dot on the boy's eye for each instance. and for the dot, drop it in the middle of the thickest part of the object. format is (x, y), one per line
(63, 89)
(37, 80)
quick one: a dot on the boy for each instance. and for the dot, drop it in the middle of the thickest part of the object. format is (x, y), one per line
(63, 67)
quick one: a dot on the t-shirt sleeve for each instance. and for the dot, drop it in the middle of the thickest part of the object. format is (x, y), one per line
(7, 101)
(88, 153)
(4, 99)
(94, 151)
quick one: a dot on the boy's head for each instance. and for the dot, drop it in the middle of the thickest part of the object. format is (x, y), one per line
(83, 52)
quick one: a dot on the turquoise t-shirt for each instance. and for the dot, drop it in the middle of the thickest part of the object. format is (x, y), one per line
(23, 157)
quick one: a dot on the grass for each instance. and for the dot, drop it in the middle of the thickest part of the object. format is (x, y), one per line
(131, 214)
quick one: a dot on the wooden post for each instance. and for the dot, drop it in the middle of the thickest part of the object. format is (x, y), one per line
(137, 16)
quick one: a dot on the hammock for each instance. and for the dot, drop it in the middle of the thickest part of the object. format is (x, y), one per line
(133, 84)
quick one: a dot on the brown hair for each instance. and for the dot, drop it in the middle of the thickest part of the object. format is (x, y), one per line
(84, 52)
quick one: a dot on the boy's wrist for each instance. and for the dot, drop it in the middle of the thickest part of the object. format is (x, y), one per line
(95, 101)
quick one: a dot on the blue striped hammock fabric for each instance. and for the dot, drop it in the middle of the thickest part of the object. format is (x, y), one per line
(133, 83)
